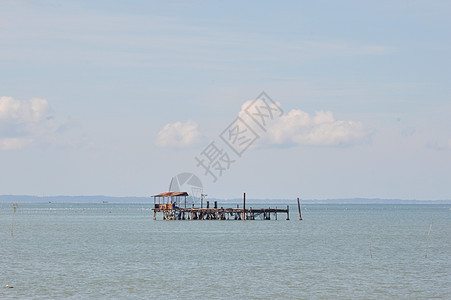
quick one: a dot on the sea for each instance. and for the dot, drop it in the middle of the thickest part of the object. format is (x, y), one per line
(117, 251)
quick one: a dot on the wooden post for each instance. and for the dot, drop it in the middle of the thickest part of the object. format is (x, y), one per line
(288, 212)
(216, 204)
(244, 206)
(154, 214)
(208, 204)
(299, 210)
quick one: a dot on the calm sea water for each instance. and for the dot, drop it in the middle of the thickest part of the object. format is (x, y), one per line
(84, 251)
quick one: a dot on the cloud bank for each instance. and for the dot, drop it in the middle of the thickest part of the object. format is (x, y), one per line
(321, 129)
(22, 122)
(179, 135)
(287, 129)
(300, 128)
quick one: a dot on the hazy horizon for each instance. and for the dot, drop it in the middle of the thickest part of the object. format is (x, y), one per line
(149, 199)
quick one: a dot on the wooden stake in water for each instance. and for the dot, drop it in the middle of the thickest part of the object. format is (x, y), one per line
(12, 223)
(299, 210)
(427, 241)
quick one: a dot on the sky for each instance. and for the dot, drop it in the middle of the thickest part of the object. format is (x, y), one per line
(117, 97)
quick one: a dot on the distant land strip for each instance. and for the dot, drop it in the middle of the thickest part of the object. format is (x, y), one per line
(110, 199)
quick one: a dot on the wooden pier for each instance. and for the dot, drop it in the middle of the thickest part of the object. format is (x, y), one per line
(173, 206)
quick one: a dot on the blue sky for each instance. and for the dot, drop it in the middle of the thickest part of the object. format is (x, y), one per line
(116, 97)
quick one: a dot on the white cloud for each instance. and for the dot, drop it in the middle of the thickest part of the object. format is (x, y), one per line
(300, 128)
(22, 122)
(179, 135)
(321, 129)
(12, 110)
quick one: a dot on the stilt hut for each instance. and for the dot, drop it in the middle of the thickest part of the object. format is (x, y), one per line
(170, 200)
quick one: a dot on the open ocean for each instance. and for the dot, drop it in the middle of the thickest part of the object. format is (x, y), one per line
(85, 251)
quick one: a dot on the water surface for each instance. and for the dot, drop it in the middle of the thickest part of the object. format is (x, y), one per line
(82, 251)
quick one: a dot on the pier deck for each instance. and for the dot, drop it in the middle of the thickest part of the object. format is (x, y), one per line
(173, 206)
(176, 213)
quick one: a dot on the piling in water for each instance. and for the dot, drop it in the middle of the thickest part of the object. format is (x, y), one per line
(299, 210)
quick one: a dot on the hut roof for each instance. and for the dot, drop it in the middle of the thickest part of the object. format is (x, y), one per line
(171, 194)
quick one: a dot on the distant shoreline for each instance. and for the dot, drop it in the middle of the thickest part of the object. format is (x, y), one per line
(110, 199)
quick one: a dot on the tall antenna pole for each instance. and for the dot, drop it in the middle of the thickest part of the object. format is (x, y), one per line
(244, 206)
(202, 196)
